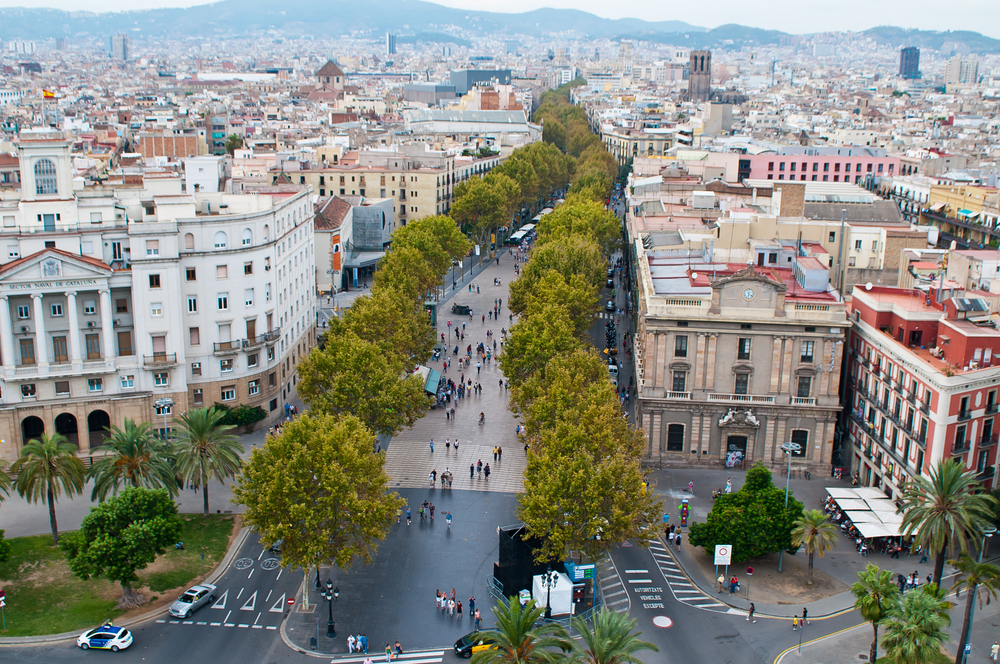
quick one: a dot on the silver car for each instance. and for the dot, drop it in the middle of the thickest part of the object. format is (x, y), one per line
(193, 599)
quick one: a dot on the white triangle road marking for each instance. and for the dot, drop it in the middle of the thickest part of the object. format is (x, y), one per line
(279, 606)
(221, 603)
(250, 602)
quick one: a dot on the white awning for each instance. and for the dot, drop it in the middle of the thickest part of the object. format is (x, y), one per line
(868, 492)
(862, 517)
(841, 492)
(852, 504)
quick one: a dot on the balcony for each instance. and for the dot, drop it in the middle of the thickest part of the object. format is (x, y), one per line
(678, 396)
(964, 415)
(985, 474)
(159, 359)
(227, 346)
(803, 401)
(741, 398)
(992, 409)
(961, 447)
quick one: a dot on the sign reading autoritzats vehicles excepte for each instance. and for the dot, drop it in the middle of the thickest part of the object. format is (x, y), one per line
(723, 554)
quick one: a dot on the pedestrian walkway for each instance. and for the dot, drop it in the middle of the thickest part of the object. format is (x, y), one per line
(613, 591)
(681, 586)
(409, 459)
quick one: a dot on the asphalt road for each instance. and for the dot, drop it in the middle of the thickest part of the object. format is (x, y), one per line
(241, 626)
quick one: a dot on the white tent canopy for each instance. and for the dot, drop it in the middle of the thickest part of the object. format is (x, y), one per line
(869, 492)
(877, 530)
(881, 505)
(852, 504)
(863, 517)
(840, 492)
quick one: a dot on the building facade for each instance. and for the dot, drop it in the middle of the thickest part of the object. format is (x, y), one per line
(114, 297)
(909, 62)
(700, 76)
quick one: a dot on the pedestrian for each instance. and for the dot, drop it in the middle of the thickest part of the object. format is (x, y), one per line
(994, 651)
(432, 511)
(388, 653)
(729, 485)
(447, 517)
(479, 468)
(350, 643)
(486, 472)
(750, 613)
(805, 616)
(364, 645)
(472, 604)
(432, 445)
(494, 454)
(484, 315)
(472, 470)
(795, 623)
(670, 536)
(930, 579)
(720, 582)
(923, 555)
(458, 609)
(677, 541)
(733, 583)
(408, 515)
(479, 619)
(499, 453)
(399, 649)
(437, 599)
(451, 607)
(691, 487)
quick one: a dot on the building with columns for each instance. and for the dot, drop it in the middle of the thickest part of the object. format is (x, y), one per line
(117, 295)
(732, 361)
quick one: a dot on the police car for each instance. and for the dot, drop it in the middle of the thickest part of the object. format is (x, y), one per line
(106, 637)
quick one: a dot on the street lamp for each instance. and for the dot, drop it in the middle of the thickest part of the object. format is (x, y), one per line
(964, 640)
(549, 580)
(788, 448)
(164, 404)
(330, 595)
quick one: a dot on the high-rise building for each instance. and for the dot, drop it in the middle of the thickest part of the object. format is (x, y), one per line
(390, 44)
(700, 76)
(909, 62)
(512, 46)
(961, 71)
(121, 45)
(625, 51)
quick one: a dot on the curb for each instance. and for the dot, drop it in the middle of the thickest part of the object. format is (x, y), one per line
(9, 641)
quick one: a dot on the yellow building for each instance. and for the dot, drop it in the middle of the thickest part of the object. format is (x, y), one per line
(969, 215)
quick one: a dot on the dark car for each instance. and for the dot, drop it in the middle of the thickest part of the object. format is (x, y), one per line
(610, 283)
(473, 642)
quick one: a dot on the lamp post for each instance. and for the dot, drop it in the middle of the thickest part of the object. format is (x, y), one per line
(163, 404)
(964, 640)
(330, 595)
(788, 448)
(549, 580)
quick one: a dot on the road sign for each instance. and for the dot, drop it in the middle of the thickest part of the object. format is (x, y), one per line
(723, 554)
(2, 594)
(749, 571)
(291, 601)
(2, 603)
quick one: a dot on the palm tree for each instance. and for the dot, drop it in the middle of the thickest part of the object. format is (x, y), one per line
(517, 639)
(205, 449)
(5, 483)
(874, 594)
(914, 626)
(611, 641)
(814, 531)
(138, 458)
(945, 509)
(47, 467)
(981, 580)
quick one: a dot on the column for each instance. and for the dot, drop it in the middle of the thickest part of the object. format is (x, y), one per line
(107, 335)
(837, 351)
(776, 365)
(73, 336)
(710, 369)
(6, 335)
(41, 341)
(695, 436)
(769, 440)
(824, 350)
(656, 359)
(699, 359)
(786, 365)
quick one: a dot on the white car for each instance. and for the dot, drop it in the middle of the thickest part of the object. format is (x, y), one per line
(193, 599)
(106, 637)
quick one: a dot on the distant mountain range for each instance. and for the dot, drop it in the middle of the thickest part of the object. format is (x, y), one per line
(413, 18)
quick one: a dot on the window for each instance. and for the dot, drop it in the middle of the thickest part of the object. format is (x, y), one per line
(247, 237)
(164, 410)
(128, 382)
(272, 379)
(27, 347)
(251, 360)
(221, 241)
(801, 437)
(189, 241)
(154, 281)
(9, 221)
(223, 301)
(226, 365)
(124, 343)
(191, 274)
(680, 381)
(13, 251)
(807, 351)
(121, 306)
(23, 312)
(62, 387)
(28, 390)
(161, 379)
(221, 271)
(192, 304)
(156, 309)
(59, 353)
(248, 295)
(874, 245)
(196, 368)
(194, 335)
(805, 387)
(93, 342)
(267, 292)
(742, 385)
(199, 396)
(57, 310)
(833, 236)
(857, 245)
(89, 307)
(254, 386)
(229, 393)
(743, 349)
(248, 268)
(95, 384)
(116, 251)
(680, 348)
(675, 437)
(960, 438)
(270, 354)
(46, 182)
(152, 247)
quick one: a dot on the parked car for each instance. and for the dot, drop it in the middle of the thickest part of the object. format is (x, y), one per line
(610, 283)
(105, 637)
(473, 642)
(610, 306)
(193, 599)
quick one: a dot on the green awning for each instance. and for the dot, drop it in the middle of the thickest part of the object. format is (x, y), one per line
(433, 378)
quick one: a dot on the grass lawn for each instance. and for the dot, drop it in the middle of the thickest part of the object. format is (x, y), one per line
(43, 596)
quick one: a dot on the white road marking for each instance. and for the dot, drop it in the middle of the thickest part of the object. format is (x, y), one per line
(405, 656)
(229, 625)
(251, 601)
(188, 622)
(614, 594)
(244, 626)
(268, 595)
(637, 571)
(161, 621)
(250, 574)
(201, 623)
(261, 554)
(256, 627)
(640, 580)
(257, 619)
(241, 592)
(226, 619)
(272, 627)
(279, 606)
(617, 602)
(215, 624)
(221, 603)
(279, 574)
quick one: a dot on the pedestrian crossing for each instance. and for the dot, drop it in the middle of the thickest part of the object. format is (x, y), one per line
(612, 590)
(680, 586)
(421, 657)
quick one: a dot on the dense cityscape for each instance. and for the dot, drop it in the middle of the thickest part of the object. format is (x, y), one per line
(730, 386)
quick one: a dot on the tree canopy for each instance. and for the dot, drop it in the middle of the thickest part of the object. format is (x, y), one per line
(753, 520)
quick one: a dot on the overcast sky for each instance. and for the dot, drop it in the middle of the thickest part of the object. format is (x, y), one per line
(796, 16)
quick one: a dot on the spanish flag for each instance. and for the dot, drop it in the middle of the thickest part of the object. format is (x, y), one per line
(48, 94)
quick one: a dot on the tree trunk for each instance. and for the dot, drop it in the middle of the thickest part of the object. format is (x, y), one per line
(873, 653)
(50, 496)
(204, 492)
(939, 563)
(809, 571)
(131, 598)
(966, 624)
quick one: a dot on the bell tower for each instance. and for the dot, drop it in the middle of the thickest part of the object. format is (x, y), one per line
(46, 167)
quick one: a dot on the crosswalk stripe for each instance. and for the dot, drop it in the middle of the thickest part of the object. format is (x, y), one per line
(409, 657)
(637, 571)
(617, 602)
(640, 580)
(615, 594)
(705, 606)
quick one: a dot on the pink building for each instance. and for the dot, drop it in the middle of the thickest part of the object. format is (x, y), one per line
(819, 165)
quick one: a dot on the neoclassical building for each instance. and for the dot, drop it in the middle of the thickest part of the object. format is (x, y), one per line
(117, 295)
(732, 361)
